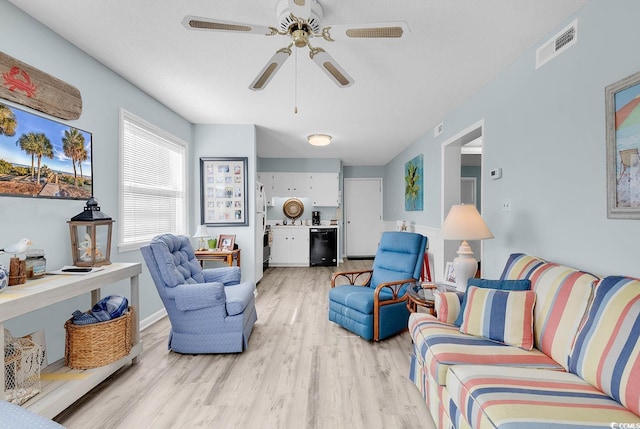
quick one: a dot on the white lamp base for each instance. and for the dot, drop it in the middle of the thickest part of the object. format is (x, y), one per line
(464, 266)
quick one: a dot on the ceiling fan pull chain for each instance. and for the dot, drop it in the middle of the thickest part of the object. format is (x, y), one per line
(295, 85)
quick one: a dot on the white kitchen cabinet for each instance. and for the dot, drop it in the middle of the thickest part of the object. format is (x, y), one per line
(325, 189)
(290, 246)
(322, 188)
(267, 180)
(291, 184)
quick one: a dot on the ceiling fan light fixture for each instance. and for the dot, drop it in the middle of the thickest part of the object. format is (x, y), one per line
(319, 139)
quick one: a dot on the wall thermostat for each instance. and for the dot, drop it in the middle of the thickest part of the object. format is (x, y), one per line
(496, 173)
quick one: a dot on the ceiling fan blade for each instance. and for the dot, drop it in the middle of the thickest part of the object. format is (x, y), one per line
(270, 69)
(331, 67)
(385, 30)
(210, 24)
(300, 8)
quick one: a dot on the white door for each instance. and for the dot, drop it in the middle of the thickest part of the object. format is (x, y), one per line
(468, 190)
(363, 215)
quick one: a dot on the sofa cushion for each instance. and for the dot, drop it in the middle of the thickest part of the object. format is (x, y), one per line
(439, 346)
(520, 266)
(498, 397)
(359, 298)
(502, 316)
(562, 296)
(607, 349)
(523, 284)
(447, 306)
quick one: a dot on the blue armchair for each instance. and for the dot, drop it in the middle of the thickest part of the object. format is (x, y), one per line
(373, 304)
(210, 310)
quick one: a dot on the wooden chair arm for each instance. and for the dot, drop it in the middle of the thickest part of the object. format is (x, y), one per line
(394, 288)
(352, 277)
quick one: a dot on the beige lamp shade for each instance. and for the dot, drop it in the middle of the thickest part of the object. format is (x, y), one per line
(201, 234)
(464, 223)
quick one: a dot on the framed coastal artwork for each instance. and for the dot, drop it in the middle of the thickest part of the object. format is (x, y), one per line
(43, 158)
(223, 192)
(623, 148)
(413, 184)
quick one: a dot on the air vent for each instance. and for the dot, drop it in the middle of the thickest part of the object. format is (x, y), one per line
(559, 43)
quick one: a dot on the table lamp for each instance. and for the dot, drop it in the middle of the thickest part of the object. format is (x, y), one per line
(464, 223)
(201, 234)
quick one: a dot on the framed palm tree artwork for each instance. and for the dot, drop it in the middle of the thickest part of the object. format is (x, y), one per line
(43, 158)
(413, 184)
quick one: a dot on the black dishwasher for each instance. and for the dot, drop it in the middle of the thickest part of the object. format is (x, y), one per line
(323, 247)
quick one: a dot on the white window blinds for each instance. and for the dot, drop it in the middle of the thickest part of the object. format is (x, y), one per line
(153, 185)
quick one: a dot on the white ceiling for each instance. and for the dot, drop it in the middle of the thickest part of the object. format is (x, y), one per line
(402, 89)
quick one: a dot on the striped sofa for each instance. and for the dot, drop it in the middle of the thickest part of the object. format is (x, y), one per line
(583, 371)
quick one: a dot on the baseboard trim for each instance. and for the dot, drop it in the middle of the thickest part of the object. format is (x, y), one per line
(148, 321)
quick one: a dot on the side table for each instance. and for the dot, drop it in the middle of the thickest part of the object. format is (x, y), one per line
(218, 255)
(417, 296)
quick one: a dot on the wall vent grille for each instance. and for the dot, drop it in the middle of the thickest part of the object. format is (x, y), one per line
(559, 43)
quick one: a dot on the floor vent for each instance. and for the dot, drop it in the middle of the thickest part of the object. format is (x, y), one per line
(559, 43)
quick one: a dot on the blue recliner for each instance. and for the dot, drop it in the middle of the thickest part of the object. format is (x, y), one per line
(374, 303)
(210, 310)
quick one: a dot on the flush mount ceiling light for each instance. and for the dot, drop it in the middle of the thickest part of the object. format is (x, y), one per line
(319, 139)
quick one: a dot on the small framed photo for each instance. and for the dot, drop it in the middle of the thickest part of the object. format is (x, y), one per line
(449, 275)
(226, 242)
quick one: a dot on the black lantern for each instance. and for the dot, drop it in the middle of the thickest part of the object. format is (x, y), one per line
(90, 236)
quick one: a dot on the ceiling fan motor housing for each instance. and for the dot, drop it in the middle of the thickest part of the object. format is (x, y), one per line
(285, 21)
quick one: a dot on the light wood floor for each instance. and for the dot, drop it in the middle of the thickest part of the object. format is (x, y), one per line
(300, 371)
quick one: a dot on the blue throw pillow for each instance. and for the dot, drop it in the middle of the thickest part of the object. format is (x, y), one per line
(491, 284)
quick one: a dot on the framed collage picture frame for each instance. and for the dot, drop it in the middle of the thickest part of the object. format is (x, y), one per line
(223, 191)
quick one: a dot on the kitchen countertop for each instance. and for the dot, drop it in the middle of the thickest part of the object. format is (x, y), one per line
(304, 226)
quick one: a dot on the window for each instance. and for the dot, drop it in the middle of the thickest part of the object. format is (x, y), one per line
(153, 187)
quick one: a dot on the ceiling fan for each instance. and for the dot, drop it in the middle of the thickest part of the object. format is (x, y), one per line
(301, 20)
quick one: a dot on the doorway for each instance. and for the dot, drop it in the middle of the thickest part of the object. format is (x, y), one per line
(363, 216)
(459, 152)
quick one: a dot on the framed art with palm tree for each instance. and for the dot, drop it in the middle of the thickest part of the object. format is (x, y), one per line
(40, 157)
(413, 184)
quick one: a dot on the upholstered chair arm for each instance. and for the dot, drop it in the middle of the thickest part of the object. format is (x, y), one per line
(355, 278)
(394, 288)
(239, 296)
(226, 275)
(195, 296)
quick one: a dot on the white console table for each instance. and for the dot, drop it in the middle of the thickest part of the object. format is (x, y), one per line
(62, 386)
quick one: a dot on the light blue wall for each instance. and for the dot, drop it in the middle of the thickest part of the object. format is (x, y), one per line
(43, 220)
(363, 172)
(546, 129)
(228, 141)
(300, 165)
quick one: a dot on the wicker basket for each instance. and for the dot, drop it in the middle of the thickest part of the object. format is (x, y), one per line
(98, 344)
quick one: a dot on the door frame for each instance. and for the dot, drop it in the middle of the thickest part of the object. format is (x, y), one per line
(450, 169)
